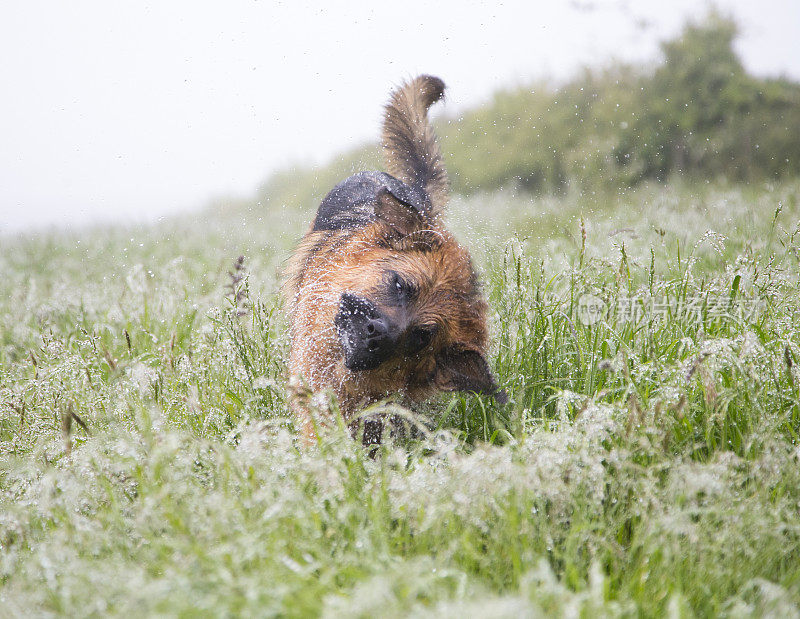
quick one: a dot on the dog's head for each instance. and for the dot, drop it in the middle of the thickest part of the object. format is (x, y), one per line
(413, 306)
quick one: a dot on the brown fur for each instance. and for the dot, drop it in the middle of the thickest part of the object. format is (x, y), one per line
(410, 242)
(409, 143)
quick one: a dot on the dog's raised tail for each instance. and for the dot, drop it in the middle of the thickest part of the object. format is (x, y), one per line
(409, 144)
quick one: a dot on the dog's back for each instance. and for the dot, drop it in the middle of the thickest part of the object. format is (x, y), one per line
(417, 176)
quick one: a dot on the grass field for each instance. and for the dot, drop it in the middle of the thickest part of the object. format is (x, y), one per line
(648, 463)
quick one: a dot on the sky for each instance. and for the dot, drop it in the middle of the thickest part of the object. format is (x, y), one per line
(129, 111)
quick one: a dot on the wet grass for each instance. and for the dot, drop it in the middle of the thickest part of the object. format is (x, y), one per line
(647, 464)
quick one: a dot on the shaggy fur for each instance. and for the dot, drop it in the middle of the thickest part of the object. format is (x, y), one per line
(381, 297)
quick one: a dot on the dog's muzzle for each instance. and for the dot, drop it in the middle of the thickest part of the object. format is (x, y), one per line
(368, 338)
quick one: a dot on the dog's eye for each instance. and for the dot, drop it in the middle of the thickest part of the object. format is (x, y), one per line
(420, 338)
(399, 289)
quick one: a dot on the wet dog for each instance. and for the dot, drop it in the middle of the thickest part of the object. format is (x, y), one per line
(382, 299)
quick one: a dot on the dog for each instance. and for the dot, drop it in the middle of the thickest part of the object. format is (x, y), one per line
(381, 298)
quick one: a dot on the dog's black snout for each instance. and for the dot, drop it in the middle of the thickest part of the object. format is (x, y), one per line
(376, 333)
(376, 336)
(366, 334)
(377, 328)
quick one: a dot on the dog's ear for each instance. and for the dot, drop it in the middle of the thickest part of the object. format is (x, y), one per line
(466, 370)
(401, 218)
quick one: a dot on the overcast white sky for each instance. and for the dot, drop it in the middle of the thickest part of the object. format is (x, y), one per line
(122, 111)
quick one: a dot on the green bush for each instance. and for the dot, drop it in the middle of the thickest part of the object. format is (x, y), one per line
(698, 113)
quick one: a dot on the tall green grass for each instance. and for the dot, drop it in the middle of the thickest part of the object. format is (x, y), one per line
(647, 464)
